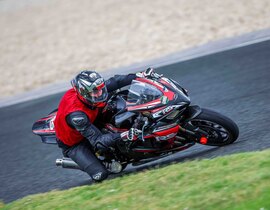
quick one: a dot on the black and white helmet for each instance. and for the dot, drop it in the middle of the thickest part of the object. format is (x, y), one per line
(90, 88)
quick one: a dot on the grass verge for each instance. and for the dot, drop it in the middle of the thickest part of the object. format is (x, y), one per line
(240, 181)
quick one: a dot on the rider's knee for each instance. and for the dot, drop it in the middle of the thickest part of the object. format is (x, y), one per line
(97, 172)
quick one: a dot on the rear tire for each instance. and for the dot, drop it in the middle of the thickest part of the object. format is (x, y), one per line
(221, 129)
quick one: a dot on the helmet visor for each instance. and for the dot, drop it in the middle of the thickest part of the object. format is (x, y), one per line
(97, 95)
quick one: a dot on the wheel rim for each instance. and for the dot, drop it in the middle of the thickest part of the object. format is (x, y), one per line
(217, 134)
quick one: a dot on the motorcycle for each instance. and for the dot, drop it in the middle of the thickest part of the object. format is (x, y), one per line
(161, 110)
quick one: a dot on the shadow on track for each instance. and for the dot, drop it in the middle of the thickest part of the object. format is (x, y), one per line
(163, 162)
(209, 152)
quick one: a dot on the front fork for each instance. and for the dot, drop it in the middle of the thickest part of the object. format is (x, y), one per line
(193, 133)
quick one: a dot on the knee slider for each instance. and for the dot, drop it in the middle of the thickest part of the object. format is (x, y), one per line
(100, 176)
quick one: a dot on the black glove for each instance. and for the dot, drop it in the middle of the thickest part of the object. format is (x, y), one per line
(131, 135)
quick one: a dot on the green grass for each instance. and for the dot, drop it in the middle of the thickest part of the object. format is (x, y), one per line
(239, 181)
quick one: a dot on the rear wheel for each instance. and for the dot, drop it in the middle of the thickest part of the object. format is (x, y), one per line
(220, 129)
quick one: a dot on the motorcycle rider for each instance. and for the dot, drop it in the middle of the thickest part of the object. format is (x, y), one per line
(78, 109)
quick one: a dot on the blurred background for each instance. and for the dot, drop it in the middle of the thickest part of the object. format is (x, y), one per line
(49, 41)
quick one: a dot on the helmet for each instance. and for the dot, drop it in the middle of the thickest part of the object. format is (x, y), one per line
(90, 88)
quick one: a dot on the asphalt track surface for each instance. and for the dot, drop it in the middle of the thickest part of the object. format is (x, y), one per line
(235, 83)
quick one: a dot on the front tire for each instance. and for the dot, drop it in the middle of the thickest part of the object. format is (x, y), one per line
(221, 129)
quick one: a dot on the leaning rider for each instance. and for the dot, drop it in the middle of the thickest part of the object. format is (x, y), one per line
(76, 134)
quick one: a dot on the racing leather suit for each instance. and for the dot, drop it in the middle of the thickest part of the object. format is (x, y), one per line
(78, 136)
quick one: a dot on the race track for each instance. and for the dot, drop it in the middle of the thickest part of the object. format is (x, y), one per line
(235, 83)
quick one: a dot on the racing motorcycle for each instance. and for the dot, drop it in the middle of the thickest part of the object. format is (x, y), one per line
(161, 111)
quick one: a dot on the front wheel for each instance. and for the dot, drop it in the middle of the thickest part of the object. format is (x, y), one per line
(220, 129)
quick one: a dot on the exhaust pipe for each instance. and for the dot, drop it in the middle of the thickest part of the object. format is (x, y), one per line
(67, 163)
(114, 167)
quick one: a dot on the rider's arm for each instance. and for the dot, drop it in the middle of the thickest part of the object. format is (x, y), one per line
(80, 121)
(119, 81)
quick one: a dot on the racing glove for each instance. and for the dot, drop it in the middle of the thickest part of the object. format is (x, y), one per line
(149, 73)
(130, 135)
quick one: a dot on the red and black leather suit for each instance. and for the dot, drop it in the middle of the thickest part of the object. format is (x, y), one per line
(76, 133)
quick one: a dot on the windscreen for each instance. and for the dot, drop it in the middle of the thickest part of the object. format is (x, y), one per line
(141, 93)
